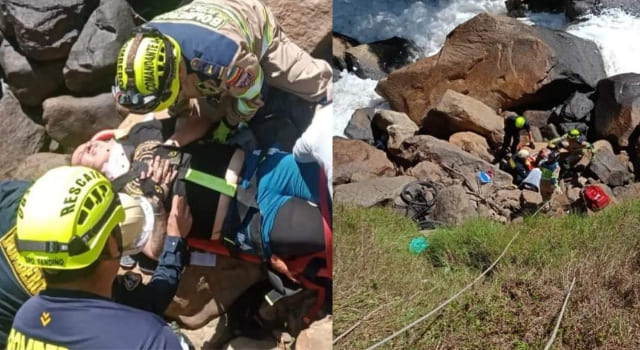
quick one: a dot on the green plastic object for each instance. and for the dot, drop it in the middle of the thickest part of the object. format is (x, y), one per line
(418, 245)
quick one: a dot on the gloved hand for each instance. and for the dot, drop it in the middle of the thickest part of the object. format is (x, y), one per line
(244, 138)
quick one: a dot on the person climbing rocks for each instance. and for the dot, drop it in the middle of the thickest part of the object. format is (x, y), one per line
(71, 228)
(512, 127)
(224, 52)
(572, 147)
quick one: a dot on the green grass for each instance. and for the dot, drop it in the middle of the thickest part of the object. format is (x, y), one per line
(515, 306)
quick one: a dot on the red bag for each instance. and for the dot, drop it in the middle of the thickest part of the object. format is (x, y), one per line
(595, 198)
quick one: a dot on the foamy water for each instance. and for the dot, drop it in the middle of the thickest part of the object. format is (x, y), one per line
(428, 22)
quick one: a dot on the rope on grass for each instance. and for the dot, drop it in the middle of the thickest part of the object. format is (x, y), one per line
(434, 311)
(564, 306)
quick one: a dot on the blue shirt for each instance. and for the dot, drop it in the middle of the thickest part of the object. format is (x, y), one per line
(62, 319)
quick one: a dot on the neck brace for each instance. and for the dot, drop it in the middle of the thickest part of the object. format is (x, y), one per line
(118, 163)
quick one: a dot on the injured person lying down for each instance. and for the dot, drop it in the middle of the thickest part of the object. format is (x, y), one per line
(264, 203)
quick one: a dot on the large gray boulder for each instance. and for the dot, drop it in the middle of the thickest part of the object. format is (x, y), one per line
(74, 120)
(454, 206)
(501, 62)
(91, 64)
(31, 81)
(609, 169)
(355, 160)
(19, 135)
(359, 127)
(451, 158)
(617, 111)
(46, 29)
(455, 112)
(379, 191)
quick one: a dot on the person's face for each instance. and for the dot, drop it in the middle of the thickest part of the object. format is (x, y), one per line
(93, 154)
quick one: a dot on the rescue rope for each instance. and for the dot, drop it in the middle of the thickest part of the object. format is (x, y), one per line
(564, 306)
(434, 311)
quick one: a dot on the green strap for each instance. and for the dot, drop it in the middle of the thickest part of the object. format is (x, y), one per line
(212, 182)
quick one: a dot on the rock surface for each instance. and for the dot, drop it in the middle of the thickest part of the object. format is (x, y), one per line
(355, 161)
(453, 205)
(371, 192)
(456, 112)
(74, 120)
(482, 58)
(316, 15)
(317, 336)
(472, 143)
(377, 59)
(45, 30)
(609, 169)
(617, 111)
(20, 137)
(30, 80)
(577, 8)
(359, 127)
(397, 126)
(424, 147)
(91, 64)
(430, 171)
(37, 164)
(340, 44)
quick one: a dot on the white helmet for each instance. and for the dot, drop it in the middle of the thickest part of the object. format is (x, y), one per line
(138, 224)
(523, 154)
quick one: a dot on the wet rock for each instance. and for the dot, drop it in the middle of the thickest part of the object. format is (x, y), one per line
(472, 143)
(20, 136)
(482, 58)
(617, 111)
(371, 192)
(91, 65)
(377, 59)
(577, 8)
(74, 120)
(456, 112)
(397, 126)
(38, 164)
(355, 161)
(454, 206)
(45, 30)
(30, 80)
(359, 127)
(340, 44)
(609, 169)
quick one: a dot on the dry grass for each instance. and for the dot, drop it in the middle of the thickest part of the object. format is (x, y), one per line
(515, 307)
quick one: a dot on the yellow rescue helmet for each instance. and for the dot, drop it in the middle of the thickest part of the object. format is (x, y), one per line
(147, 72)
(65, 218)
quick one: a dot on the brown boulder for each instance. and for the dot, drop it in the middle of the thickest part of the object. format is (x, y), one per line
(537, 118)
(627, 193)
(472, 143)
(355, 160)
(317, 336)
(530, 200)
(396, 125)
(19, 135)
(430, 171)
(383, 190)
(340, 44)
(316, 15)
(499, 61)
(74, 120)
(455, 112)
